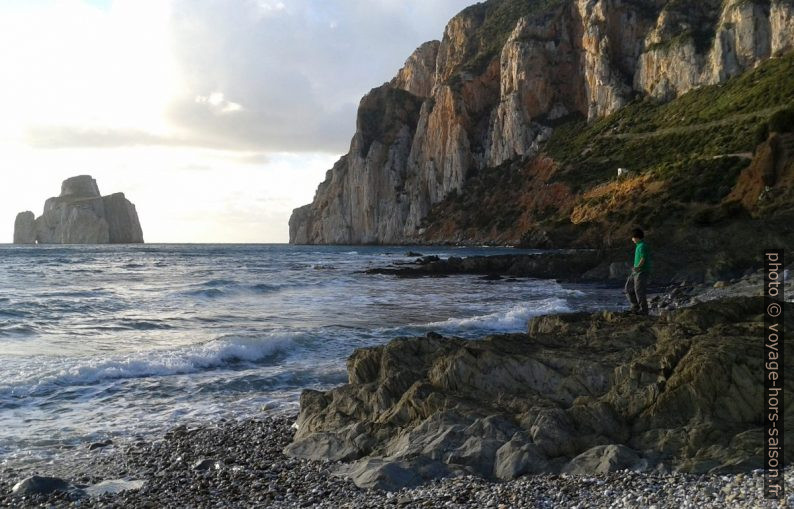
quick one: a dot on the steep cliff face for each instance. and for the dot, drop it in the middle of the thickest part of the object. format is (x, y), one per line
(80, 215)
(363, 198)
(680, 55)
(418, 76)
(501, 79)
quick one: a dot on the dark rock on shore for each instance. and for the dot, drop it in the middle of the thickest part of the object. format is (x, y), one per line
(206, 464)
(566, 265)
(40, 485)
(100, 445)
(584, 393)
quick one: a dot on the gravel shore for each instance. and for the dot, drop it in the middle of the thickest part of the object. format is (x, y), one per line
(240, 464)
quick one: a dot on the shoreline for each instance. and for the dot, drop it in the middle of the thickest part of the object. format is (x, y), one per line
(244, 465)
(241, 464)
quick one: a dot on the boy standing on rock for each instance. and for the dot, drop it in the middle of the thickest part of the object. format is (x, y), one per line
(637, 284)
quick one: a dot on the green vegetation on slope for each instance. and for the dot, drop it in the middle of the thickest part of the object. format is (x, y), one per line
(768, 86)
(648, 135)
(685, 156)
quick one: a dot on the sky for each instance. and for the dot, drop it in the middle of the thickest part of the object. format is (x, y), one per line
(215, 117)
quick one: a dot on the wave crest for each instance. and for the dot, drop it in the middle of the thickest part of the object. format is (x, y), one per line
(222, 351)
(514, 319)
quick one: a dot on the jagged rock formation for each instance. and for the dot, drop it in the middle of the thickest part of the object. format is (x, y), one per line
(504, 72)
(80, 215)
(581, 393)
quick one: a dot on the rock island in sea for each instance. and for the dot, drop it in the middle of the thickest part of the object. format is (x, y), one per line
(81, 215)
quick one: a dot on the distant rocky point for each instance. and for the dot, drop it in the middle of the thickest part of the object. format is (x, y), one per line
(81, 215)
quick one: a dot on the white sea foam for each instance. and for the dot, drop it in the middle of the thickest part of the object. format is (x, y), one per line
(189, 359)
(513, 319)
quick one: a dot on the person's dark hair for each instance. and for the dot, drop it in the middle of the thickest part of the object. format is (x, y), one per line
(638, 233)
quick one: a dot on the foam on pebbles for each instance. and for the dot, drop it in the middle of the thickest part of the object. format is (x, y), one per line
(253, 471)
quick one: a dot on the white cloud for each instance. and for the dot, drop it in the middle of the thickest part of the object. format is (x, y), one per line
(218, 103)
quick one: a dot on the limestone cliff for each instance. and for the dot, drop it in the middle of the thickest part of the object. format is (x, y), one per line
(80, 215)
(497, 84)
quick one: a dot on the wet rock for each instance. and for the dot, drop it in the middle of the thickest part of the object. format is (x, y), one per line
(491, 277)
(100, 445)
(206, 464)
(567, 265)
(424, 260)
(40, 485)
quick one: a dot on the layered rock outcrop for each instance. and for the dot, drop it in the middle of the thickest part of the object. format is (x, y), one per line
(491, 90)
(81, 215)
(580, 393)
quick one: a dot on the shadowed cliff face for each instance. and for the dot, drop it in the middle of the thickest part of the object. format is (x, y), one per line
(80, 215)
(504, 76)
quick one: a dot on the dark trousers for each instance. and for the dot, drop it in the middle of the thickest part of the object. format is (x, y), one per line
(637, 291)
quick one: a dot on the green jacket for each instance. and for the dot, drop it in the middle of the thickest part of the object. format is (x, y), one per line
(641, 251)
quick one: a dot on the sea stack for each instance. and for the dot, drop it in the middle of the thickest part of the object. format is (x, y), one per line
(81, 215)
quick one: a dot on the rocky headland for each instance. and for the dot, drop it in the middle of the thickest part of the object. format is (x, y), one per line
(510, 131)
(81, 215)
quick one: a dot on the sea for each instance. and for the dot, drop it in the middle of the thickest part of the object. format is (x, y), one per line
(123, 342)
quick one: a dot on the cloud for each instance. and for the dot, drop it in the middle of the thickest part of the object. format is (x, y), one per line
(84, 137)
(242, 75)
(288, 75)
(218, 104)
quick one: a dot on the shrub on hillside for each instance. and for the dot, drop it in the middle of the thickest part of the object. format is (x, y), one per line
(782, 121)
(761, 133)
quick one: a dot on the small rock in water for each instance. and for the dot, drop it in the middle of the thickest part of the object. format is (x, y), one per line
(427, 259)
(100, 445)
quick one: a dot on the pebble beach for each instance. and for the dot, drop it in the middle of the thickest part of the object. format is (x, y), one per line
(241, 464)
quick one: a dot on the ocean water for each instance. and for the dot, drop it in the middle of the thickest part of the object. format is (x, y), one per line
(125, 341)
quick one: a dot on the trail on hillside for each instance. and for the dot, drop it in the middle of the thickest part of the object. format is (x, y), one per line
(695, 127)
